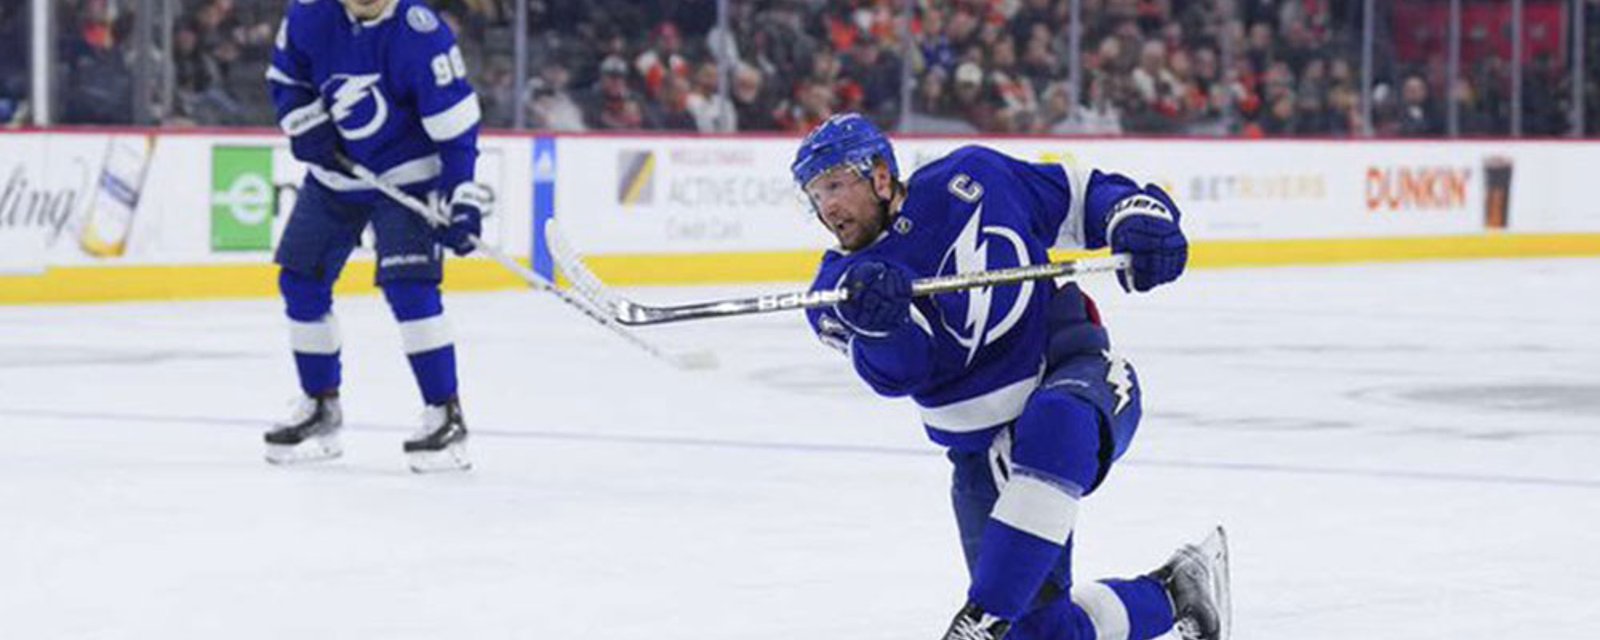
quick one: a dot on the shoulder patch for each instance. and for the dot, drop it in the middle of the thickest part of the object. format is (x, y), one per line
(422, 19)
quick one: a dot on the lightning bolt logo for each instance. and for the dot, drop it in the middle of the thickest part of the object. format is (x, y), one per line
(1120, 377)
(971, 254)
(349, 94)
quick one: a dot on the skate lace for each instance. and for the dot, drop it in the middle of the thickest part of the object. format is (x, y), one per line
(1187, 628)
(972, 629)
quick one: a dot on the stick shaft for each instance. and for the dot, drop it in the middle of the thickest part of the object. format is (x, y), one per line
(630, 313)
(438, 219)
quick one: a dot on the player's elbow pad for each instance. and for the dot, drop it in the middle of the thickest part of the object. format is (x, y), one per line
(894, 365)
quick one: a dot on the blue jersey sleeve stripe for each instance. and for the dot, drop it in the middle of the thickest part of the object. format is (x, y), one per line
(454, 121)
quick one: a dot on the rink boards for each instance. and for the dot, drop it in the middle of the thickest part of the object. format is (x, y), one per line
(132, 214)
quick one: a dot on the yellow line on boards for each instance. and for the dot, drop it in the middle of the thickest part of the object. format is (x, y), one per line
(113, 283)
(60, 285)
(1257, 253)
(733, 268)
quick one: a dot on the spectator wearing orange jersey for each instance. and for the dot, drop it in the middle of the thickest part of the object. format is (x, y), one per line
(665, 59)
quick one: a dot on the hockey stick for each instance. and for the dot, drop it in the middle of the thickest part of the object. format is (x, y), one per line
(436, 218)
(634, 314)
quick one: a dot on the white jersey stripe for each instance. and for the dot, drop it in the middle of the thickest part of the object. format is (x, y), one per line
(452, 122)
(303, 119)
(1072, 235)
(991, 409)
(419, 170)
(278, 76)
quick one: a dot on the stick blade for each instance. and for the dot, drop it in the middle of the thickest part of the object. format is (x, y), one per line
(631, 314)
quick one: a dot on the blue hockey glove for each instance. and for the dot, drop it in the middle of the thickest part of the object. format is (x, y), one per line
(1145, 225)
(313, 140)
(470, 202)
(879, 298)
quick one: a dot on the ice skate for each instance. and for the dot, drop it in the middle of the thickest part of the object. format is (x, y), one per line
(440, 445)
(973, 624)
(1196, 578)
(310, 434)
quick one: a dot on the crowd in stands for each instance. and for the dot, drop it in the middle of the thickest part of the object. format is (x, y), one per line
(1201, 67)
(14, 79)
(1254, 68)
(220, 51)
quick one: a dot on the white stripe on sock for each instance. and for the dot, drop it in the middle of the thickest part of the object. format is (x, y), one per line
(426, 334)
(320, 337)
(1105, 609)
(1035, 506)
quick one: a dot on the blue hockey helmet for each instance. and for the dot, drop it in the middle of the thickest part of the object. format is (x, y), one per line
(848, 139)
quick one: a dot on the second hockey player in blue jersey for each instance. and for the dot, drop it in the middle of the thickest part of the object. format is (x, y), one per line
(1018, 382)
(380, 83)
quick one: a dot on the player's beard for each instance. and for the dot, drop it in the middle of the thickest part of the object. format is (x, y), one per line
(868, 230)
(366, 9)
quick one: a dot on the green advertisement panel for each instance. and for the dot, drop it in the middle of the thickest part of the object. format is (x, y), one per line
(242, 198)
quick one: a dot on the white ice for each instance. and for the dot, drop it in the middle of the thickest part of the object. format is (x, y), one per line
(1399, 451)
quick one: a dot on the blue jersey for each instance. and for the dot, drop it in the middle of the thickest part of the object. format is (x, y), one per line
(395, 88)
(970, 359)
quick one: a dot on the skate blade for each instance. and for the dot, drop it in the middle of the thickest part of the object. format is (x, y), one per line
(312, 450)
(451, 458)
(1215, 552)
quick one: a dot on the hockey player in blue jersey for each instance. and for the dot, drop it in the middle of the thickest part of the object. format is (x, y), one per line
(1018, 382)
(382, 83)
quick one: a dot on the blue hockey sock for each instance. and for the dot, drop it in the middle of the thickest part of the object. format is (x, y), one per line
(313, 331)
(1135, 609)
(1023, 541)
(1148, 608)
(426, 335)
(1054, 456)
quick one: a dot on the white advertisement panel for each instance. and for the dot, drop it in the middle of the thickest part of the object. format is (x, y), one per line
(1275, 189)
(30, 214)
(685, 195)
(106, 199)
(79, 192)
(187, 198)
(681, 195)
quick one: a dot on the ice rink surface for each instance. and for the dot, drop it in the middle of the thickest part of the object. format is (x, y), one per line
(1398, 451)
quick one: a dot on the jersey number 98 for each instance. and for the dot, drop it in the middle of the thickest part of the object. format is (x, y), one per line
(447, 67)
